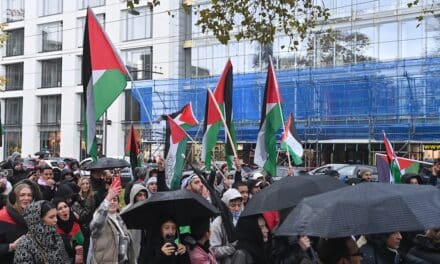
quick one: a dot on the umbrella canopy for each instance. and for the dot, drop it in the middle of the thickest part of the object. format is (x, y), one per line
(181, 205)
(105, 164)
(288, 192)
(367, 208)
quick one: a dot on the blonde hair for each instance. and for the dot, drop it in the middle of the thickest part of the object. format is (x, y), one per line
(89, 192)
(17, 190)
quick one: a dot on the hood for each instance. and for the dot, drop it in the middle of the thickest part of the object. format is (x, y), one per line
(230, 194)
(135, 190)
(46, 235)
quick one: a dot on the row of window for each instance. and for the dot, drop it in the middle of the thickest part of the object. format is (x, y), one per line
(138, 62)
(14, 10)
(51, 34)
(50, 120)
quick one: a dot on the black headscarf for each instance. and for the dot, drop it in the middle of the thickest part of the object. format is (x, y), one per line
(250, 239)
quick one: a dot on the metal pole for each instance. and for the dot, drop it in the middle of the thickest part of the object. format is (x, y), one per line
(104, 134)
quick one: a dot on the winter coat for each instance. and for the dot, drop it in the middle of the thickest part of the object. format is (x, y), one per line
(426, 249)
(250, 242)
(285, 250)
(222, 249)
(201, 255)
(12, 226)
(137, 235)
(107, 244)
(160, 258)
(41, 244)
(379, 255)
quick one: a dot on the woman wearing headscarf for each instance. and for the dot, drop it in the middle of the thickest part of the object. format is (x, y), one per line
(70, 231)
(110, 241)
(253, 241)
(41, 244)
(12, 223)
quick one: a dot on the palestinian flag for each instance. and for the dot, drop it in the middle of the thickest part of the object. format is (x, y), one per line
(406, 166)
(290, 141)
(103, 77)
(271, 122)
(392, 161)
(174, 160)
(75, 234)
(213, 122)
(132, 148)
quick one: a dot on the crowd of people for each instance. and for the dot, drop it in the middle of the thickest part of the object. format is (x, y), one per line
(57, 215)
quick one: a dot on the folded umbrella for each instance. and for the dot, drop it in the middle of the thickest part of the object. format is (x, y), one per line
(288, 192)
(367, 208)
(182, 205)
(106, 164)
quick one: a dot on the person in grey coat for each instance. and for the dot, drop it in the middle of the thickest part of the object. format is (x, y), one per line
(110, 241)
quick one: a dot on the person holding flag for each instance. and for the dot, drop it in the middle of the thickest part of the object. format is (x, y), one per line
(290, 142)
(392, 160)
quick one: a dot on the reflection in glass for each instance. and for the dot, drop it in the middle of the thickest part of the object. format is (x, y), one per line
(388, 45)
(14, 76)
(412, 39)
(137, 26)
(139, 63)
(51, 36)
(433, 35)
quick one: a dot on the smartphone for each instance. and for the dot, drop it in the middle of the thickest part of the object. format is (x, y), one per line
(116, 182)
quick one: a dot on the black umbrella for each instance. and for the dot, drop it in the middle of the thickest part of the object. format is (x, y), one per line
(288, 192)
(367, 208)
(105, 164)
(181, 205)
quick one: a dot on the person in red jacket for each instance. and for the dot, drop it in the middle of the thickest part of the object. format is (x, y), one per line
(12, 223)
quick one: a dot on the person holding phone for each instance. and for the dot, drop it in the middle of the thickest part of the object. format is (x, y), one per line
(110, 241)
(170, 250)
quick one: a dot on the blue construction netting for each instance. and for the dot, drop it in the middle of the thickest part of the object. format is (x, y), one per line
(348, 102)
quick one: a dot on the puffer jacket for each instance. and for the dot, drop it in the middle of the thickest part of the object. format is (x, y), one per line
(41, 244)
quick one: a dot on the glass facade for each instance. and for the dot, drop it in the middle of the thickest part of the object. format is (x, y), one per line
(137, 26)
(50, 7)
(13, 125)
(132, 108)
(49, 126)
(15, 42)
(139, 62)
(14, 76)
(51, 73)
(51, 37)
(363, 42)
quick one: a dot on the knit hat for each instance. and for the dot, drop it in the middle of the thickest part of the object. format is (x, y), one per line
(230, 194)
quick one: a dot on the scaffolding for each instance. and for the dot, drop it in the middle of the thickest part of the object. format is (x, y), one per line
(335, 103)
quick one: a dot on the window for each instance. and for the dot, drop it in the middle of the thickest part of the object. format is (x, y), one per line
(14, 10)
(50, 136)
(50, 7)
(51, 71)
(92, 3)
(81, 23)
(15, 42)
(14, 76)
(50, 110)
(13, 111)
(432, 35)
(139, 62)
(388, 44)
(132, 107)
(137, 26)
(412, 39)
(13, 126)
(51, 36)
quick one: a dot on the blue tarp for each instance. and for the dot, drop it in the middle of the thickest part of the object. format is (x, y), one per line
(348, 102)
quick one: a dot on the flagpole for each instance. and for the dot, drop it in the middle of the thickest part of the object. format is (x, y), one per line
(279, 105)
(224, 123)
(104, 134)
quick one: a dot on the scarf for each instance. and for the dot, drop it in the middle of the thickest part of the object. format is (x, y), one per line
(67, 225)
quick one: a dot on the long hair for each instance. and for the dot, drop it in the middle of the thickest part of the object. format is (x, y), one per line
(89, 193)
(17, 191)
